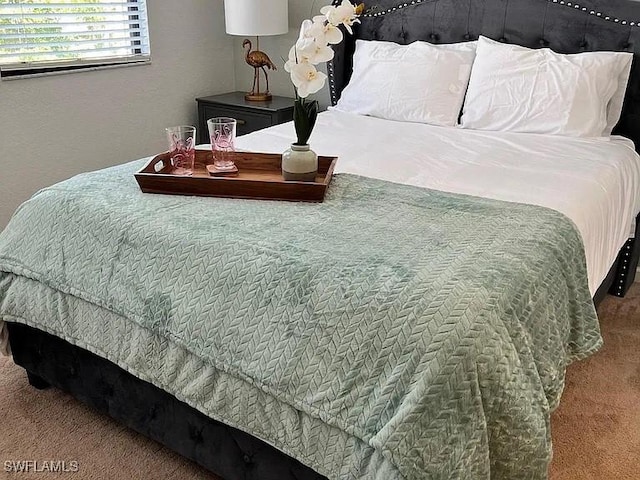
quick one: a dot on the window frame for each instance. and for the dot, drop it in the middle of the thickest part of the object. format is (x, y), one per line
(139, 56)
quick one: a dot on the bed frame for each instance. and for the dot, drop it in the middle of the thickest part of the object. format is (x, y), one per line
(564, 26)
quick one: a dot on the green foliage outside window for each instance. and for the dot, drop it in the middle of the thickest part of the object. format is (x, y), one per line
(41, 33)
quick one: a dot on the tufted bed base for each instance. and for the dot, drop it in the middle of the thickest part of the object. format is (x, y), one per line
(101, 384)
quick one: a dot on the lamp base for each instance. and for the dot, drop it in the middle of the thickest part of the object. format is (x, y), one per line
(258, 97)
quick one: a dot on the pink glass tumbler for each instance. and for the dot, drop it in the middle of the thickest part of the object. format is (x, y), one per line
(182, 147)
(222, 132)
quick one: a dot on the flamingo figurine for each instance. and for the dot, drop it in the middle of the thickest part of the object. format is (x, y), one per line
(258, 60)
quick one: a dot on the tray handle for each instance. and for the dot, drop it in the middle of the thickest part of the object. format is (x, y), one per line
(158, 164)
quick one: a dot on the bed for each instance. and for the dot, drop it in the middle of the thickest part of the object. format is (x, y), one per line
(579, 244)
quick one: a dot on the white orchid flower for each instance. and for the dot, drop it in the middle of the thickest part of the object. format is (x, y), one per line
(324, 32)
(304, 47)
(322, 54)
(329, 13)
(289, 64)
(308, 51)
(344, 14)
(313, 53)
(307, 79)
(296, 56)
(306, 29)
(313, 31)
(310, 40)
(316, 29)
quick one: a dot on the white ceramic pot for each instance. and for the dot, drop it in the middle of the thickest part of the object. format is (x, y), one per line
(299, 163)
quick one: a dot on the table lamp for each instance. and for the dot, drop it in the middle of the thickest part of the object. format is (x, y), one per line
(257, 18)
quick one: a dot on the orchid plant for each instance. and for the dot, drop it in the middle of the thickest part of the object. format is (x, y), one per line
(311, 49)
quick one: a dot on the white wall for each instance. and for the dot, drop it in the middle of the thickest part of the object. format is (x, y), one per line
(54, 127)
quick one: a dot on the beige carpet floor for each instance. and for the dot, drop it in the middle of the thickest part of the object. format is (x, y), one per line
(596, 429)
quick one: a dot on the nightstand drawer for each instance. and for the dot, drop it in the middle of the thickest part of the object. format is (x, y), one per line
(247, 121)
(251, 116)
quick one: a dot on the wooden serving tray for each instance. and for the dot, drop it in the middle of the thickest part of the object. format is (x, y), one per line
(259, 176)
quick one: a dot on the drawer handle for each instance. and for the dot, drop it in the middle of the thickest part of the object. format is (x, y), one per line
(240, 122)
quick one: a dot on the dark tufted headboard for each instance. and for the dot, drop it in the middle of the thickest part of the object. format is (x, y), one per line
(564, 26)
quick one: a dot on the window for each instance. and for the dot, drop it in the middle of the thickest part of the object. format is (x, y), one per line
(56, 35)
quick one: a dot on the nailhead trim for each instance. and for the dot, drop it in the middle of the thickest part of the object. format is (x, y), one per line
(605, 17)
(393, 9)
(624, 269)
(332, 81)
(576, 6)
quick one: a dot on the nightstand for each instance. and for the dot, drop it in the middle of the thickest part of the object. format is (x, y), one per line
(251, 116)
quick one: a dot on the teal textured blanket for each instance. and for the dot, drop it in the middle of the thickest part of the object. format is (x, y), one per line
(389, 332)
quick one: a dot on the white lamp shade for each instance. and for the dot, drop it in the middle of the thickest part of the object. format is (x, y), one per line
(256, 17)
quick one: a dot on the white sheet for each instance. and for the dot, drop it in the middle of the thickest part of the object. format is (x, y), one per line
(593, 181)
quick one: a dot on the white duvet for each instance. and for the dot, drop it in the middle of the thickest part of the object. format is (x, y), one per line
(593, 181)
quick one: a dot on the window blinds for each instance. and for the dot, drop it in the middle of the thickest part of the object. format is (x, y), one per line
(47, 35)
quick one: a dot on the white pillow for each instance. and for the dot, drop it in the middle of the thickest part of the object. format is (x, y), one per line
(614, 110)
(420, 82)
(518, 89)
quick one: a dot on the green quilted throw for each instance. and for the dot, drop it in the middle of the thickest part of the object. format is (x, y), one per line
(424, 333)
